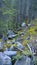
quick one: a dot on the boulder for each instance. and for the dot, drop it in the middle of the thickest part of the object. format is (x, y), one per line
(4, 39)
(7, 60)
(10, 53)
(23, 61)
(4, 59)
(10, 34)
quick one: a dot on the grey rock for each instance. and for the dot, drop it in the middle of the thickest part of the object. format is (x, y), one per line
(4, 59)
(23, 24)
(19, 45)
(4, 38)
(1, 45)
(29, 25)
(7, 60)
(10, 34)
(23, 61)
(10, 53)
(19, 40)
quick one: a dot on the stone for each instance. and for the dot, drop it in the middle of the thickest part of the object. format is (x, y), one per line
(10, 53)
(23, 24)
(19, 45)
(29, 25)
(1, 59)
(10, 34)
(1, 45)
(4, 59)
(23, 61)
(19, 39)
(4, 38)
(7, 60)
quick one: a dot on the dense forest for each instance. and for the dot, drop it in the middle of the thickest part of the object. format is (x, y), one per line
(16, 11)
(18, 32)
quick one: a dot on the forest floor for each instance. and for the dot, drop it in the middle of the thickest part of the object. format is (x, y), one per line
(32, 31)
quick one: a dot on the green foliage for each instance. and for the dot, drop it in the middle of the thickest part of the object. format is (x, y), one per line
(9, 14)
(35, 60)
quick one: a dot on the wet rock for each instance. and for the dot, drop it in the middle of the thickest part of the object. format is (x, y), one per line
(10, 53)
(10, 34)
(23, 61)
(4, 59)
(4, 39)
(1, 59)
(19, 45)
(1, 45)
(19, 39)
(23, 24)
(29, 25)
(7, 60)
(36, 41)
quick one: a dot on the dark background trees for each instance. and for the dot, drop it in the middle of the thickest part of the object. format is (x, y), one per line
(14, 12)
